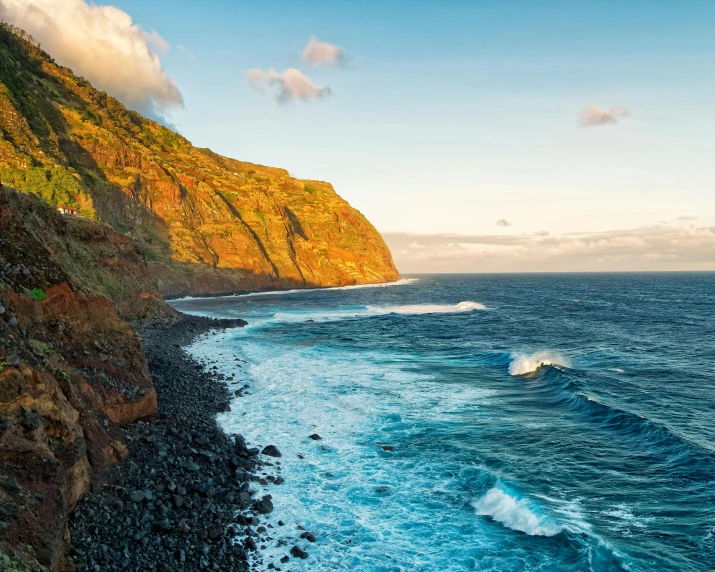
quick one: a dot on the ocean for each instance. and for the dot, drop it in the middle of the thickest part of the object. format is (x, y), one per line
(552, 422)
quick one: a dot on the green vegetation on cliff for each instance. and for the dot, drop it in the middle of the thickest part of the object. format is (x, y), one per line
(207, 223)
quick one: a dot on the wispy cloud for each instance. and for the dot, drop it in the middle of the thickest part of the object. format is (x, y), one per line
(189, 56)
(317, 53)
(285, 87)
(650, 248)
(592, 116)
(102, 44)
(503, 222)
(687, 218)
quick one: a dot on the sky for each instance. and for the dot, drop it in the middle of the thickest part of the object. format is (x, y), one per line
(482, 135)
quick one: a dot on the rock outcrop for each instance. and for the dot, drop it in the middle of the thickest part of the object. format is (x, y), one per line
(71, 368)
(207, 223)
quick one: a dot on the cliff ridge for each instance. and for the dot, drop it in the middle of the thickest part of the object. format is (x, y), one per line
(207, 223)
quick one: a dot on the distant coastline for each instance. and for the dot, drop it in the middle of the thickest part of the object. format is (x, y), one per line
(269, 291)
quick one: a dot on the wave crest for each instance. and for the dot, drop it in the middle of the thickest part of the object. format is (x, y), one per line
(401, 282)
(522, 364)
(467, 306)
(514, 514)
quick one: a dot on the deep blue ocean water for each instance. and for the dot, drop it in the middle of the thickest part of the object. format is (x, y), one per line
(538, 422)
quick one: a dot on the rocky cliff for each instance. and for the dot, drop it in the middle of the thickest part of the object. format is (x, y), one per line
(207, 223)
(72, 370)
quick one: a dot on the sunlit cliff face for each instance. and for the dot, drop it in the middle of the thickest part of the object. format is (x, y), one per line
(207, 223)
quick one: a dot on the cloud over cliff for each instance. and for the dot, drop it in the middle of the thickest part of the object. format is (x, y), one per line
(650, 248)
(102, 44)
(290, 85)
(592, 116)
(318, 53)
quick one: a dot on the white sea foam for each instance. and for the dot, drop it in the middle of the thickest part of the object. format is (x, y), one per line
(467, 306)
(625, 517)
(402, 282)
(514, 514)
(372, 311)
(522, 364)
(353, 400)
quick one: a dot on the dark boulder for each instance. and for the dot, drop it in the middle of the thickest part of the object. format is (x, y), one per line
(263, 506)
(308, 536)
(271, 451)
(298, 552)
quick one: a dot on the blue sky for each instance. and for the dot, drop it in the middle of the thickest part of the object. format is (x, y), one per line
(452, 105)
(453, 115)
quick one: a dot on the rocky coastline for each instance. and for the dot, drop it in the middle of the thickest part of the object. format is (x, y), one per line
(183, 499)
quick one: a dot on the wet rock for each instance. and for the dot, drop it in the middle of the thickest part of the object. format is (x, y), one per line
(308, 536)
(189, 466)
(216, 532)
(271, 451)
(298, 552)
(183, 526)
(315, 437)
(201, 440)
(198, 479)
(264, 506)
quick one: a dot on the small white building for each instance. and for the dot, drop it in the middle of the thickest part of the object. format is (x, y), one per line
(68, 211)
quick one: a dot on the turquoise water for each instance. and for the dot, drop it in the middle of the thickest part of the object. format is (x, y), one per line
(537, 422)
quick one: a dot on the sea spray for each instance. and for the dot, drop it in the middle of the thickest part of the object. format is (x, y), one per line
(523, 364)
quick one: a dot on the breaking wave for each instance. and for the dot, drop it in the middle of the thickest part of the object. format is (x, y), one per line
(514, 514)
(427, 308)
(523, 364)
(373, 311)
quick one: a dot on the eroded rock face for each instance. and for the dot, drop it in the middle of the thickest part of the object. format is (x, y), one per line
(71, 371)
(209, 224)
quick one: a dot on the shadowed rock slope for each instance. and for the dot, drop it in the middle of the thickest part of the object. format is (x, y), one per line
(208, 224)
(72, 370)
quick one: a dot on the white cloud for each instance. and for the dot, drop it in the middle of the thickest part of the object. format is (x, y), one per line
(592, 116)
(102, 44)
(650, 248)
(154, 39)
(287, 86)
(503, 222)
(317, 53)
(687, 218)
